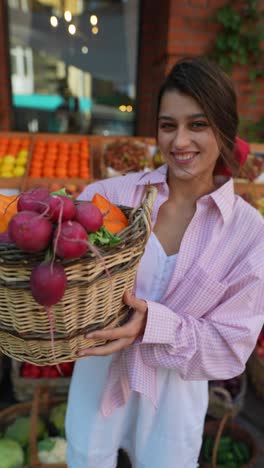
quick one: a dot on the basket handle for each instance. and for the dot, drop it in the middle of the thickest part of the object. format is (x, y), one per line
(217, 392)
(151, 193)
(219, 433)
(41, 394)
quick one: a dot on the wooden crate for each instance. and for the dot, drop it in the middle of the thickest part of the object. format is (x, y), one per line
(31, 182)
(15, 182)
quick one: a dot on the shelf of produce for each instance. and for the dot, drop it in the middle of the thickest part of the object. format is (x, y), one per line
(11, 143)
(256, 189)
(99, 144)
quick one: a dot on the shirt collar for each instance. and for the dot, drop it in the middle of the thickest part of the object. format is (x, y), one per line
(223, 197)
(159, 176)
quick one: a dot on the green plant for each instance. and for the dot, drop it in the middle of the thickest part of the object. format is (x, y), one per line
(240, 42)
(252, 131)
(240, 37)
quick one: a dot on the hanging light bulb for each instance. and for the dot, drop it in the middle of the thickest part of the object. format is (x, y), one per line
(54, 21)
(72, 29)
(67, 16)
(93, 20)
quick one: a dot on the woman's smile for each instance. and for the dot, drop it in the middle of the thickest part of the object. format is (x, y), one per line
(185, 157)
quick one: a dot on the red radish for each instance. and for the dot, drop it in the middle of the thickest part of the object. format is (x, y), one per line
(70, 240)
(48, 283)
(30, 231)
(89, 216)
(30, 201)
(58, 205)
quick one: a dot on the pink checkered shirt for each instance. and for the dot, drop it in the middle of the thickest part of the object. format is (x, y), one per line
(208, 320)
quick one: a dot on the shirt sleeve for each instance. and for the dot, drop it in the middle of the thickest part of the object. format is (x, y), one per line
(215, 346)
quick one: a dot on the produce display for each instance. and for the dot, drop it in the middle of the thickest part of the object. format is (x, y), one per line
(51, 443)
(253, 167)
(121, 156)
(61, 159)
(32, 371)
(230, 454)
(14, 153)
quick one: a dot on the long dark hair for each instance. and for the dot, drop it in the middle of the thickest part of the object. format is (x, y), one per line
(205, 82)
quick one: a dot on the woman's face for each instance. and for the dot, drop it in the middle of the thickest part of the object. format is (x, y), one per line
(185, 137)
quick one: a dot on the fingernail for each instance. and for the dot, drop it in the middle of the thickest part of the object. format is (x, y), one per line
(89, 335)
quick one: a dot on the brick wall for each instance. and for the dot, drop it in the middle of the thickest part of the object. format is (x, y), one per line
(5, 85)
(186, 29)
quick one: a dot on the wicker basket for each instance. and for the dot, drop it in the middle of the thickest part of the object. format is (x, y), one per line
(41, 404)
(221, 401)
(90, 302)
(255, 370)
(226, 426)
(24, 387)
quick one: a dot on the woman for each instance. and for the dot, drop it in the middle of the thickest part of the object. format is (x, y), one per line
(199, 293)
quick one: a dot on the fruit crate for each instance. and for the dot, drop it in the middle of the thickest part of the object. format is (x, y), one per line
(58, 161)
(11, 143)
(99, 145)
(25, 387)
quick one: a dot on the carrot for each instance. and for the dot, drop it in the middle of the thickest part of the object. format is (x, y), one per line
(114, 218)
(8, 208)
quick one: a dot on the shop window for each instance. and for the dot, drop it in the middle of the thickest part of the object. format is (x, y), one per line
(77, 56)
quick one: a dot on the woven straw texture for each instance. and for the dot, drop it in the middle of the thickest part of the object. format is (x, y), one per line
(91, 301)
(221, 400)
(24, 387)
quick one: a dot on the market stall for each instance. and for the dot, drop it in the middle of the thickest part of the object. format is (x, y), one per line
(29, 161)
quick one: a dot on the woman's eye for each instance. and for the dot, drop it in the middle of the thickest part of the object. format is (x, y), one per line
(199, 124)
(166, 125)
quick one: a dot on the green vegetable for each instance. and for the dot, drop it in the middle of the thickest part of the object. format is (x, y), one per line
(57, 418)
(62, 192)
(103, 237)
(11, 454)
(52, 450)
(245, 450)
(19, 430)
(208, 448)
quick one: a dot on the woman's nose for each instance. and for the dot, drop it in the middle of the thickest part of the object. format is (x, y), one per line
(181, 138)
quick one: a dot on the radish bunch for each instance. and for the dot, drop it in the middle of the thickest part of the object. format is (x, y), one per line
(52, 221)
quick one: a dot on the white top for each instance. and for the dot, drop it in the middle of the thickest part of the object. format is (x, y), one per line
(169, 437)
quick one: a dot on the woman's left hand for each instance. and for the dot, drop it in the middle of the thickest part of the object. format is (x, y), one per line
(120, 337)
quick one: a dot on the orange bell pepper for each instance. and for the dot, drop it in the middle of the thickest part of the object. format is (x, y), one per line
(114, 218)
(8, 208)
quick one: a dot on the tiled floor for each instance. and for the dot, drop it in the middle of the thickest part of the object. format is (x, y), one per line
(251, 417)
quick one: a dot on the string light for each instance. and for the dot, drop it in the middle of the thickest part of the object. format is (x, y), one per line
(95, 30)
(85, 50)
(67, 16)
(93, 20)
(54, 21)
(72, 29)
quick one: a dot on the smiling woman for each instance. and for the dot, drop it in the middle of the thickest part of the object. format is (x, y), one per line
(195, 314)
